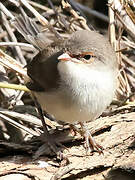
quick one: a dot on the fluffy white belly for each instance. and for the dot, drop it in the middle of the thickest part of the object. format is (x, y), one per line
(62, 108)
(82, 98)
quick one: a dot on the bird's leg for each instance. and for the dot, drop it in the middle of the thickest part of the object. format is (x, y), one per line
(74, 130)
(90, 143)
(48, 138)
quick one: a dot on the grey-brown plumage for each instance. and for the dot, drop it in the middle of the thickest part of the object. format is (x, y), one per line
(73, 87)
(74, 80)
(45, 71)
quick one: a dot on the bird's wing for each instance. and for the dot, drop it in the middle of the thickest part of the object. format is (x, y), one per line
(43, 68)
(43, 72)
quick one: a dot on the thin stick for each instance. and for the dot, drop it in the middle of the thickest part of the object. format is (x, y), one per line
(16, 3)
(39, 6)
(16, 44)
(92, 12)
(12, 36)
(6, 11)
(41, 19)
(112, 26)
(74, 13)
(14, 86)
(11, 63)
(18, 125)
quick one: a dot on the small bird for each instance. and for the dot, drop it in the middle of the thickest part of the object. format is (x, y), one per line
(74, 80)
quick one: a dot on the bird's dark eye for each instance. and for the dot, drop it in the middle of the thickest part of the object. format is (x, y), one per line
(87, 57)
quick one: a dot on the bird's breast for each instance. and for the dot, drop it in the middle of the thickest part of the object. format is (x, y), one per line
(83, 94)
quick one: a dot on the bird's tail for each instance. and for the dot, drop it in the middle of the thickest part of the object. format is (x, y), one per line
(30, 31)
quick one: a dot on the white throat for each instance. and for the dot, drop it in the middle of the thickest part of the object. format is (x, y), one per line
(82, 75)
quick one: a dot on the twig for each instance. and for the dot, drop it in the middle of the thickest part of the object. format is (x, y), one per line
(14, 86)
(13, 38)
(112, 26)
(131, 33)
(11, 63)
(128, 89)
(28, 175)
(82, 21)
(61, 172)
(52, 7)
(18, 125)
(131, 81)
(23, 117)
(122, 82)
(128, 42)
(126, 99)
(41, 19)
(39, 6)
(16, 3)
(123, 17)
(6, 11)
(93, 12)
(16, 44)
(128, 61)
(76, 8)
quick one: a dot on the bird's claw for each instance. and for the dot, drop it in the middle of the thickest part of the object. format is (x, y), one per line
(91, 145)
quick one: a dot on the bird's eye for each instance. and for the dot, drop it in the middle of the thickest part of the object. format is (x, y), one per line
(87, 56)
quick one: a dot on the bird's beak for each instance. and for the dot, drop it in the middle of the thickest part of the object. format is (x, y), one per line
(64, 57)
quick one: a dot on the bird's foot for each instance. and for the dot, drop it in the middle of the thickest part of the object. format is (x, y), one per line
(90, 143)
